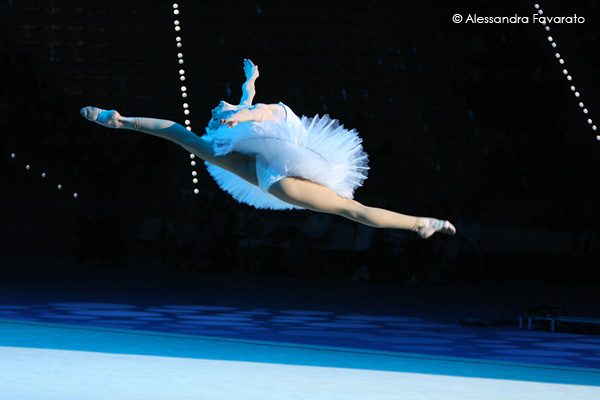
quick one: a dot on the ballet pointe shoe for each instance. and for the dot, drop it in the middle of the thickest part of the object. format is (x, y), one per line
(110, 119)
(429, 226)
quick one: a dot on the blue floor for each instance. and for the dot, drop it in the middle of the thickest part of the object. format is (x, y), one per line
(390, 333)
(52, 304)
(22, 334)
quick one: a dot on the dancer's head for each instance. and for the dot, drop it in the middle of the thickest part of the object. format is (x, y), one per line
(214, 122)
(221, 111)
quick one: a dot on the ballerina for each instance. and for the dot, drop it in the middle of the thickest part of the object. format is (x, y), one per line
(266, 156)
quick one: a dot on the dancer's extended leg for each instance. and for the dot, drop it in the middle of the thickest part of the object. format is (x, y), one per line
(237, 163)
(316, 197)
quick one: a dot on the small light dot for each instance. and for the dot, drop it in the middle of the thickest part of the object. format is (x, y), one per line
(550, 38)
(590, 121)
(187, 121)
(594, 127)
(194, 173)
(561, 61)
(28, 167)
(573, 88)
(196, 191)
(576, 94)
(580, 104)
(178, 39)
(175, 5)
(193, 163)
(43, 174)
(183, 94)
(181, 72)
(182, 78)
(176, 22)
(186, 112)
(185, 105)
(180, 61)
(195, 180)
(177, 28)
(537, 6)
(178, 44)
(547, 28)
(557, 55)
(585, 110)
(75, 195)
(180, 55)
(183, 88)
(565, 71)
(540, 12)
(176, 12)
(189, 128)
(13, 155)
(59, 186)
(192, 156)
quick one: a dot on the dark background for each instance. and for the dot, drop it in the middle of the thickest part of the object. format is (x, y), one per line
(470, 122)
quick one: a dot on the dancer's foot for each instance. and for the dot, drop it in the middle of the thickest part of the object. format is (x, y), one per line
(110, 119)
(429, 226)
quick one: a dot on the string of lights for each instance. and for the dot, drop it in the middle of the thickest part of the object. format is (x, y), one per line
(186, 111)
(30, 168)
(566, 73)
(184, 90)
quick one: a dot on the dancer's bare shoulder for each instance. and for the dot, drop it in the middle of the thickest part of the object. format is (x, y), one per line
(271, 112)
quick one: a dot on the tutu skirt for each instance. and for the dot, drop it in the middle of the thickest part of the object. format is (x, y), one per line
(317, 149)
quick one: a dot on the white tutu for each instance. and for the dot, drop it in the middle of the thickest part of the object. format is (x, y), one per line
(318, 149)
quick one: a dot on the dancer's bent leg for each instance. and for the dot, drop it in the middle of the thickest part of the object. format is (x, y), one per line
(317, 197)
(237, 163)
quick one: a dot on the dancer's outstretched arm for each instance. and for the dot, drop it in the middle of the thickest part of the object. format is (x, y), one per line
(248, 88)
(257, 113)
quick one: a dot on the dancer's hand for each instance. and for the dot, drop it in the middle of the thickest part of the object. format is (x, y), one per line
(250, 69)
(248, 89)
(231, 121)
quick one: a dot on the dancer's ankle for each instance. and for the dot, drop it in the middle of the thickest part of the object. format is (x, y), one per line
(418, 224)
(135, 123)
(127, 123)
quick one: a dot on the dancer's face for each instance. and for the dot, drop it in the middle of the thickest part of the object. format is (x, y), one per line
(223, 110)
(214, 122)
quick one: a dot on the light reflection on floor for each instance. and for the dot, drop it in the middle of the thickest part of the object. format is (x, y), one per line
(376, 332)
(60, 374)
(66, 361)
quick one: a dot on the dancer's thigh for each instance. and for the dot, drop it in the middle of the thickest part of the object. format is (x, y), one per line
(312, 196)
(240, 164)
